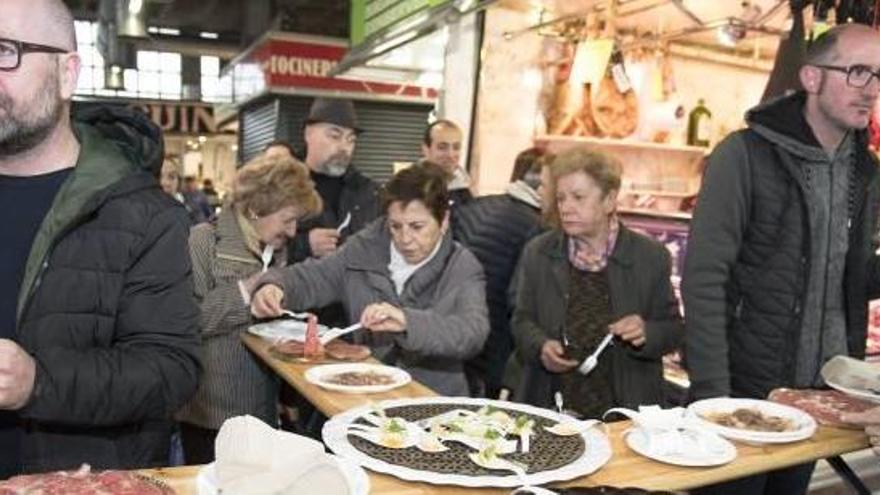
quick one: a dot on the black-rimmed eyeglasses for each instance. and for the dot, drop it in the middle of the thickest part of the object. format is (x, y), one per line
(11, 52)
(857, 76)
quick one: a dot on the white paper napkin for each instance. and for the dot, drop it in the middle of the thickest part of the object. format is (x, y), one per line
(254, 459)
(672, 431)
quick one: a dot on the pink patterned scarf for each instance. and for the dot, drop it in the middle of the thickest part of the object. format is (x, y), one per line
(585, 258)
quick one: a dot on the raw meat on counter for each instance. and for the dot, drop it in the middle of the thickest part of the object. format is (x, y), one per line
(84, 481)
(825, 406)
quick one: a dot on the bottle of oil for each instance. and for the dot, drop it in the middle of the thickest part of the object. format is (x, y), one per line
(699, 125)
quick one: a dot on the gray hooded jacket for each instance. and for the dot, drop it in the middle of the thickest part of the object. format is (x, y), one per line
(780, 261)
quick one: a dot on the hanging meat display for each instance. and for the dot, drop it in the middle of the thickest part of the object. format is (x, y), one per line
(606, 109)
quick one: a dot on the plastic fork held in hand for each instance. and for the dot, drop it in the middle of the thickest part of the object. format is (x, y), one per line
(344, 224)
(593, 359)
(339, 332)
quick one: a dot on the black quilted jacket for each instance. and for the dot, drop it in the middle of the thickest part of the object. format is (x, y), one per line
(495, 228)
(107, 308)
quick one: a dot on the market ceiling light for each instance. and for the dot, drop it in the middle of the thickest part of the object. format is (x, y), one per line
(131, 19)
(135, 6)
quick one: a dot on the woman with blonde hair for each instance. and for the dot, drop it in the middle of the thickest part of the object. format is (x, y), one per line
(268, 197)
(588, 278)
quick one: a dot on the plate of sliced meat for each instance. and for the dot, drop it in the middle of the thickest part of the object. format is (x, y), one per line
(825, 406)
(752, 420)
(358, 378)
(85, 481)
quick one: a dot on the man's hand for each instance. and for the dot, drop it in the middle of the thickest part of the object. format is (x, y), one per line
(870, 419)
(266, 302)
(552, 357)
(630, 329)
(383, 317)
(323, 242)
(17, 373)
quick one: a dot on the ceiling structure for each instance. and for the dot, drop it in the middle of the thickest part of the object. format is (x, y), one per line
(238, 22)
(745, 28)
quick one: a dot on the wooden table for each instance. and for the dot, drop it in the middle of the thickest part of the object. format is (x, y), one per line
(625, 469)
(328, 402)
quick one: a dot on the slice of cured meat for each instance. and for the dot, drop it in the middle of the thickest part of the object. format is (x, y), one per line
(337, 350)
(343, 351)
(825, 406)
(84, 481)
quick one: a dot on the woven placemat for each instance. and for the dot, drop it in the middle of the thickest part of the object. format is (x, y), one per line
(546, 450)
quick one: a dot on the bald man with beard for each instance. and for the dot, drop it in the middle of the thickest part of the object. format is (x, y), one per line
(98, 324)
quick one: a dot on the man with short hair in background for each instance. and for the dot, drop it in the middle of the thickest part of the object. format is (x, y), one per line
(98, 324)
(441, 144)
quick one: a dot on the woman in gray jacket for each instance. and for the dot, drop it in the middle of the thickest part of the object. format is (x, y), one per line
(268, 197)
(420, 294)
(586, 279)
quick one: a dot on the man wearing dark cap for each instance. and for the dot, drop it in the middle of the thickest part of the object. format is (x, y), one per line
(330, 135)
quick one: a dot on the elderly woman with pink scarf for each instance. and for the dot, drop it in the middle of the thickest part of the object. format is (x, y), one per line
(588, 278)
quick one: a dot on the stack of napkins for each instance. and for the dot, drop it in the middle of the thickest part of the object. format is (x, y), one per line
(672, 431)
(254, 459)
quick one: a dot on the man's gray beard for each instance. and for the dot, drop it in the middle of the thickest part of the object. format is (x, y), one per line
(17, 134)
(335, 166)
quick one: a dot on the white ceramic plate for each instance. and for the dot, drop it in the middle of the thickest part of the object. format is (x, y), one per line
(358, 481)
(720, 450)
(597, 449)
(804, 423)
(285, 329)
(318, 375)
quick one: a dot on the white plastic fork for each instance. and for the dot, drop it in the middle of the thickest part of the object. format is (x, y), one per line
(339, 332)
(344, 224)
(593, 359)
